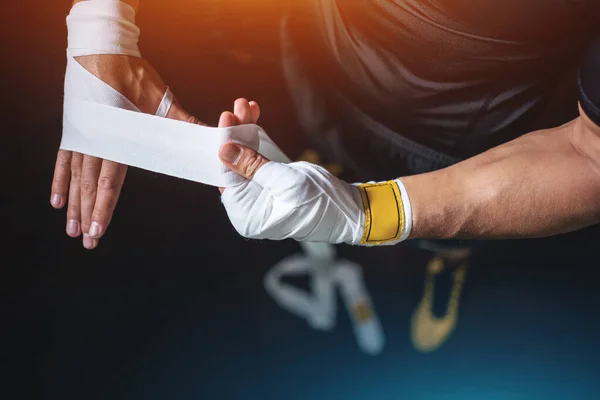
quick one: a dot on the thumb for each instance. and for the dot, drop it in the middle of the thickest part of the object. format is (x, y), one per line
(240, 159)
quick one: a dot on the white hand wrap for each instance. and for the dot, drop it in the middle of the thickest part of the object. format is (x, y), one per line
(305, 202)
(299, 200)
(102, 27)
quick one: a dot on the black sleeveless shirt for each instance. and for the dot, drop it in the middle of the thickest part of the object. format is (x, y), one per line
(458, 76)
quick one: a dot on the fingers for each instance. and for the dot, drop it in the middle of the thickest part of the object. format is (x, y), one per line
(74, 208)
(247, 112)
(60, 182)
(241, 109)
(241, 159)
(90, 173)
(255, 111)
(110, 182)
(95, 186)
(228, 119)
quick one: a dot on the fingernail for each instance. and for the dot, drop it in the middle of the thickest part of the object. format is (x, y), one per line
(72, 227)
(94, 230)
(88, 242)
(231, 153)
(56, 200)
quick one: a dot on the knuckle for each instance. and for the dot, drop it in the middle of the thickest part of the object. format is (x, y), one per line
(253, 162)
(63, 161)
(107, 183)
(87, 188)
(192, 120)
(75, 174)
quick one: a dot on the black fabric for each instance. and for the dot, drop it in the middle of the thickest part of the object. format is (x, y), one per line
(589, 82)
(353, 145)
(456, 76)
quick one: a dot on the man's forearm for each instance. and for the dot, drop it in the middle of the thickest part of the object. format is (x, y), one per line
(544, 183)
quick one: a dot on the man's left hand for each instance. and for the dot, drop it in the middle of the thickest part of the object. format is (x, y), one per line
(301, 201)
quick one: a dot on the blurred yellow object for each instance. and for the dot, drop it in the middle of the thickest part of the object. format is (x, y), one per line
(311, 156)
(429, 332)
(362, 312)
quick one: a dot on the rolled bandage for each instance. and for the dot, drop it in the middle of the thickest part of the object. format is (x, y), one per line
(303, 201)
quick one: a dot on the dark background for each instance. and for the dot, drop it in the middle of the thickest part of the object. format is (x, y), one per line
(172, 304)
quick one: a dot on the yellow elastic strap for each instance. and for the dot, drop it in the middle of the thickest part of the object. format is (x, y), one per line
(384, 212)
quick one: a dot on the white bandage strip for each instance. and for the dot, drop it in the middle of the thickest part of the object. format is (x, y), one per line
(157, 144)
(101, 122)
(165, 104)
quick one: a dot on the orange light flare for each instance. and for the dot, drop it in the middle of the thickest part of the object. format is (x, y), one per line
(234, 27)
(234, 11)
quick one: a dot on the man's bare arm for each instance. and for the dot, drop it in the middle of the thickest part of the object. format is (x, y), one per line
(544, 183)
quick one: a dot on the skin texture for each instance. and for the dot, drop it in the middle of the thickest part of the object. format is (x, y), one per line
(544, 183)
(541, 184)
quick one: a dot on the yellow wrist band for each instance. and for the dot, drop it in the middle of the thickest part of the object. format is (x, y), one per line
(388, 217)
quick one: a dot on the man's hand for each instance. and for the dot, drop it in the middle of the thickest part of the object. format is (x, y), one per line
(89, 185)
(305, 202)
(301, 201)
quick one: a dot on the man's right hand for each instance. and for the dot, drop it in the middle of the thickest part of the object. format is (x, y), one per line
(89, 185)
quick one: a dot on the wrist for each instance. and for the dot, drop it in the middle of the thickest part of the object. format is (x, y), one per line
(438, 206)
(107, 46)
